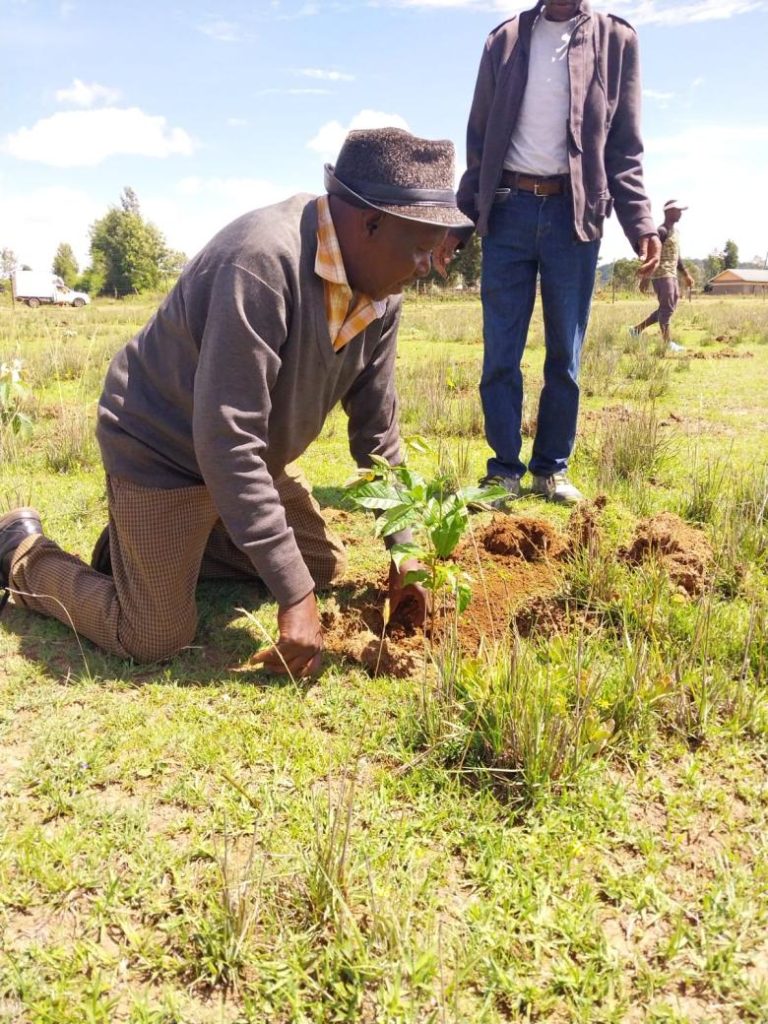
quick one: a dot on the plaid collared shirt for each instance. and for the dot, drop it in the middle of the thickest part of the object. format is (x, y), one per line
(347, 314)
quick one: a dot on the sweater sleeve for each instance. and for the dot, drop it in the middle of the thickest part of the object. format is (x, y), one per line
(371, 403)
(624, 150)
(246, 324)
(372, 407)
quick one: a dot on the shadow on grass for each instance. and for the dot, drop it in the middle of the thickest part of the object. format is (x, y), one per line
(220, 649)
(332, 497)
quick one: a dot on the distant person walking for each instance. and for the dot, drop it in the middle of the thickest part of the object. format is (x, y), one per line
(553, 143)
(665, 277)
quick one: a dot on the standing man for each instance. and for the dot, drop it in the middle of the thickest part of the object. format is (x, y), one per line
(287, 312)
(553, 144)
(665, 277)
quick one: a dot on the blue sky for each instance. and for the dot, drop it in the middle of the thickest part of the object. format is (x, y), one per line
(208, 109)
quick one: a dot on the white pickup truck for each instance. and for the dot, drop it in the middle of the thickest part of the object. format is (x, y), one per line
(36, 288)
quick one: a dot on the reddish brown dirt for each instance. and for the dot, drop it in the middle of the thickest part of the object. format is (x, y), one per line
(683, 550)
(516, 566)
(511, 560)
(533, 540)
(723, 353)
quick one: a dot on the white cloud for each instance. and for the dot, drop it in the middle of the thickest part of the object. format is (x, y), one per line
(199, 207)
(81, 94)
(639, 12)
(221, 31)
(672, 12)
(274, 91)
(83, 138)
(35, 222)
(660, 97)
(328, 76)
(723, 194)
(331, 135)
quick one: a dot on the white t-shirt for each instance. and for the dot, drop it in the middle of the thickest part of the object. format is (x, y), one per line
(539, 143)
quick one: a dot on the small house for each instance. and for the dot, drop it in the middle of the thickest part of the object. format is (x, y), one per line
(740, 282)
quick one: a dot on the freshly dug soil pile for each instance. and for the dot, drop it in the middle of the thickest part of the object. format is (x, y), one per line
(584, 523)
(683, 550)
(724, 353)
(511, 560)
(523, 537)
(358, 634)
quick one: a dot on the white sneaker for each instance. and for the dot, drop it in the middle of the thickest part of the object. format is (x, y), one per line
(557, 488)
(673, 346)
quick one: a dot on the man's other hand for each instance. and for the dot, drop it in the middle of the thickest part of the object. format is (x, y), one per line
(407, 604)
(444, 253)
(649, 253)
(298, 651)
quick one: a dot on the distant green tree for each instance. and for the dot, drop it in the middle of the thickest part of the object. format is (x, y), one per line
(730, 255)
(173, 262)
(694, 269)
(468, 264)
(713, 265)
(65, 264)
(624, 275)
(127, 249)
(8, 262)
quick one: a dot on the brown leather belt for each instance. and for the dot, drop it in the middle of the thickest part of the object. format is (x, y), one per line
(551, 186)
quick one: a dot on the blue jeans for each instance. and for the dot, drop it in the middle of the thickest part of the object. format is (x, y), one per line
(530, 235)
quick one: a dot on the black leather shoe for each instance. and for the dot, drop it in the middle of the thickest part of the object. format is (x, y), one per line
(101, 560)
(14, 527)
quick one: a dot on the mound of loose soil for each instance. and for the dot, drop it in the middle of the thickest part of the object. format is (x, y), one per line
(523, 537)
(683, 550)
(397, 652)
(584, 523)
(724, 353)
(510, 561)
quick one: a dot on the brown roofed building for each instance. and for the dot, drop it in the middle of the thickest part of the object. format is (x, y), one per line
(740, 282)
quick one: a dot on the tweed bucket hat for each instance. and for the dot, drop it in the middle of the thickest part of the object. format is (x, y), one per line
(389, 169)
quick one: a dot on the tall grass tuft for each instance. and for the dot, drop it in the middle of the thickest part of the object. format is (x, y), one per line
(632, 447)
(507, 717)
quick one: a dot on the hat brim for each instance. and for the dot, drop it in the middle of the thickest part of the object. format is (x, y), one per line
(439, 216)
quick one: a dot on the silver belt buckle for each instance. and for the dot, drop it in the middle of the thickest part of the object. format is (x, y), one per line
(536, 189)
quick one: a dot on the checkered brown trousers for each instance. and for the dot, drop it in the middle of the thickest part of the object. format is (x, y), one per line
(161, 542)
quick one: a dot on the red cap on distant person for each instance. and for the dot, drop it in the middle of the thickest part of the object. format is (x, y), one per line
(674, 204)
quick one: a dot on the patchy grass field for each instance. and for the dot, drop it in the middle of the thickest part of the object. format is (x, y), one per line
(565, 823)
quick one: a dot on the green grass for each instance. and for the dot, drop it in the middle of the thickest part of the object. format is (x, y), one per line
(565, 830)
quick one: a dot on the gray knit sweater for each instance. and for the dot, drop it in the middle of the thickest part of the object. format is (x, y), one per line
(234, 377)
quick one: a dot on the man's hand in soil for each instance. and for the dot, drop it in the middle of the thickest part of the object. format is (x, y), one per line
(649, 253)
(299, 648)
(408, 605)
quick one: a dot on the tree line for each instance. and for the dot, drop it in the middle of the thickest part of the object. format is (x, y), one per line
(129, 254)
(621, 275)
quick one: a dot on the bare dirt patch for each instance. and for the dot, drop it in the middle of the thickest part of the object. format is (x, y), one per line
(724, 353)
(683, 551)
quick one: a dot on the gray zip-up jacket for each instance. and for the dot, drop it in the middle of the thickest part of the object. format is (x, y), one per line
(604, 145)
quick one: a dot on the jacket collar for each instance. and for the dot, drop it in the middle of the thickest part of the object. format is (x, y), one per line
(584, 9)
(528, 19)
